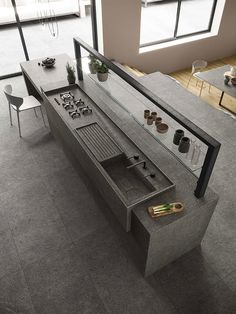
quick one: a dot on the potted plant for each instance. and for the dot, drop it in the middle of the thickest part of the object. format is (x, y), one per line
(92, 64)
(102, 72)
(70, 73)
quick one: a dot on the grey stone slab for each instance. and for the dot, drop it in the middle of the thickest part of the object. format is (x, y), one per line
(3, 221)
(9, 260)
(38, 238)
(65, 183)
(35, 223)
(230, 281)
(17, 170)
(81, 215)
(119, 284)
(219, 239)
(60, 284)
(52, 158)
(193, 287)
(163, 240)
(14, 294)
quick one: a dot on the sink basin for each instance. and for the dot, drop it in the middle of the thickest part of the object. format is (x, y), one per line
(134, 183)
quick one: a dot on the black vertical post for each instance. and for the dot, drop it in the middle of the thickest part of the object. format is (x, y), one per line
(207, 168)
(77, 49)
(20, 30)
(94, 24)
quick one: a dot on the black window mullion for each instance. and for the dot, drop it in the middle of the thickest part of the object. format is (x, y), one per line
(177, 18)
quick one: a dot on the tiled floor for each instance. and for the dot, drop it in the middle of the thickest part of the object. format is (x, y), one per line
(63, 252)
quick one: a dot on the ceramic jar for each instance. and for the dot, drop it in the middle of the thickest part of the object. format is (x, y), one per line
(184, 144)
(149, 120)
(146, 113)
(158, 120)
(178, 135)
(154, 115)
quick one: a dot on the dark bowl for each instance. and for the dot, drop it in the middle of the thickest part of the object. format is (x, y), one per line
(49, 62)
(162, 128)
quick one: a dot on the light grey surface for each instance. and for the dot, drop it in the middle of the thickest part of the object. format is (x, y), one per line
(200, 282)
(121, 202)
(215, 77)
(157, 253)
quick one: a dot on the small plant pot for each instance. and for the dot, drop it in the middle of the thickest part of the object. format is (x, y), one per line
(154, 115)
(158, 120)
(177, 137)
(102, 77)
(184, 145)
(146, 113)
(92, 68)
(162, 128)
(149, 120)
(71, 79)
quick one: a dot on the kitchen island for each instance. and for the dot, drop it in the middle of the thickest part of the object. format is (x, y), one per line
(162, 240)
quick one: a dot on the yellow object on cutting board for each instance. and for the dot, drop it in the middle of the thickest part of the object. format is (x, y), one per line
(165, 209)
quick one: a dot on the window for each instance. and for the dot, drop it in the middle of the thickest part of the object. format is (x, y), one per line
(167, 20)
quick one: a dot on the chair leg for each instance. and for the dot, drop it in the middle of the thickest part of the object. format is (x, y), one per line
(189, 80)
(35, 112)
(10, 114)
(18, 118)
(201, 88)
(209, 89)
(42, 116)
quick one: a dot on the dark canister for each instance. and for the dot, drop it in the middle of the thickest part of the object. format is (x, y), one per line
(184, 144)
(177, 137)
(146, 113)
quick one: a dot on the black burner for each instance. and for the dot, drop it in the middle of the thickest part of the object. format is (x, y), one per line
(68, 106)
(74, 114)
(67, 96)
(79, 102)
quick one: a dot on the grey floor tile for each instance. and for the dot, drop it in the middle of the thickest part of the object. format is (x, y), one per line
(218, 248)
(35, 222)
(194, 287)
(9, 260)
(230, 281)
(64, 183)
(120, 285)
(14, 295)
(3, 221)
(81, 215)
(38, 238)
(60, 284)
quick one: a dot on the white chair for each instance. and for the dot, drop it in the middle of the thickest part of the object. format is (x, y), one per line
(198, 66)
(21, 104)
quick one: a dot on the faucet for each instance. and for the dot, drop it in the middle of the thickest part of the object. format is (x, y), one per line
(135, 156)
(138, 163)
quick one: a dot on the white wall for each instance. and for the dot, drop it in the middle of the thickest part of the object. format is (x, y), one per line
(121, 32)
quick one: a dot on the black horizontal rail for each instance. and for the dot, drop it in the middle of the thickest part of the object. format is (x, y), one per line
(213, 144)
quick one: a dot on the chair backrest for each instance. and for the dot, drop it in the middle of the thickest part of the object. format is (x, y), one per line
(198, 66)
(13, 100)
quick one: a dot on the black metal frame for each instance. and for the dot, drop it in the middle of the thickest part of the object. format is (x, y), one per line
(213, 145)
(175, 36)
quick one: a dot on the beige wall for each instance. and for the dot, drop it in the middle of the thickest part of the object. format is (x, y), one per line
(121, 29)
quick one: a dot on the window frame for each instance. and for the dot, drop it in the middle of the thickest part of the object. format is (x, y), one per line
(175, 36)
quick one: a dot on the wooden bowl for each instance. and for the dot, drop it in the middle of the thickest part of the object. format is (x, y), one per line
(233, 81)
(162, 128)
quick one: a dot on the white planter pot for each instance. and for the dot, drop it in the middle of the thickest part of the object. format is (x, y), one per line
(102, 77)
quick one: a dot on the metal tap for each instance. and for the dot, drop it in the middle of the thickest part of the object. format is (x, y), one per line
(138, 163)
